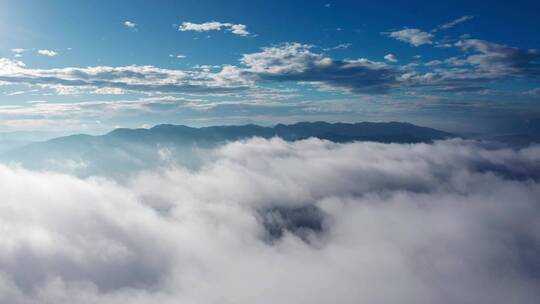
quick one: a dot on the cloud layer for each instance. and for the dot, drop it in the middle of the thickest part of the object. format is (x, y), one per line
(268, 221)
(129, 78)
(480, 63)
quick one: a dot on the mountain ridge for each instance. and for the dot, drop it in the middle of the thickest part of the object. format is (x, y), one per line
(302, 130)
(139, 148)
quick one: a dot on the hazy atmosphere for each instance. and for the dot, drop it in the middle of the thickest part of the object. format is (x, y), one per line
(269, 152)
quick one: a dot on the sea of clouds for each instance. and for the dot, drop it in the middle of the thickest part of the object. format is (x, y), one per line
(269, 221)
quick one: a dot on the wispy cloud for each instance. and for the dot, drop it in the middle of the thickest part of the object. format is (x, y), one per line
(18, 52)
(482, 63)
(500, 60)
(15, 93)
(341, 46)
(452, 23)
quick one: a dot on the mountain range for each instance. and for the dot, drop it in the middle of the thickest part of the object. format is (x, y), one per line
(128, 149)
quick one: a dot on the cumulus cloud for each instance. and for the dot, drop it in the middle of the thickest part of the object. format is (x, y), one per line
(237, 29)
(269, 221)
(48, 53)
(412, 36)
(296, 62)
(391, 57)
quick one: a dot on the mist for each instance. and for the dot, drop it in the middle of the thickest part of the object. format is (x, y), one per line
(271, 221)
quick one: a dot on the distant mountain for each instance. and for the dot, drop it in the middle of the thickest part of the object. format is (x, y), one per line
(132, 149)
(336, 132)
(15, 139)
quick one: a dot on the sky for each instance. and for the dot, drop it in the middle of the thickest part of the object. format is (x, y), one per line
(92, 66)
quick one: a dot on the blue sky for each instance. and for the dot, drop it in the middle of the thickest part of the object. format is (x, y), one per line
(466, 66)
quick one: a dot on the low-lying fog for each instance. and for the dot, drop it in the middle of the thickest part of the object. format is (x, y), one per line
(270, 221)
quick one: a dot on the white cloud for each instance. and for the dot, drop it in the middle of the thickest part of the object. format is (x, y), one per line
(201, 27)
(110, 91)
(481, 63)
(18, 50)
(341, 46)
(391, 58)
(237, 29)
(179, 56)
(296, 62)
(412, 36)
(492, 61)
(130, 24)
(452, 222)
(288, 62)
(453, 23)
(130, 78)
(48, 53)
